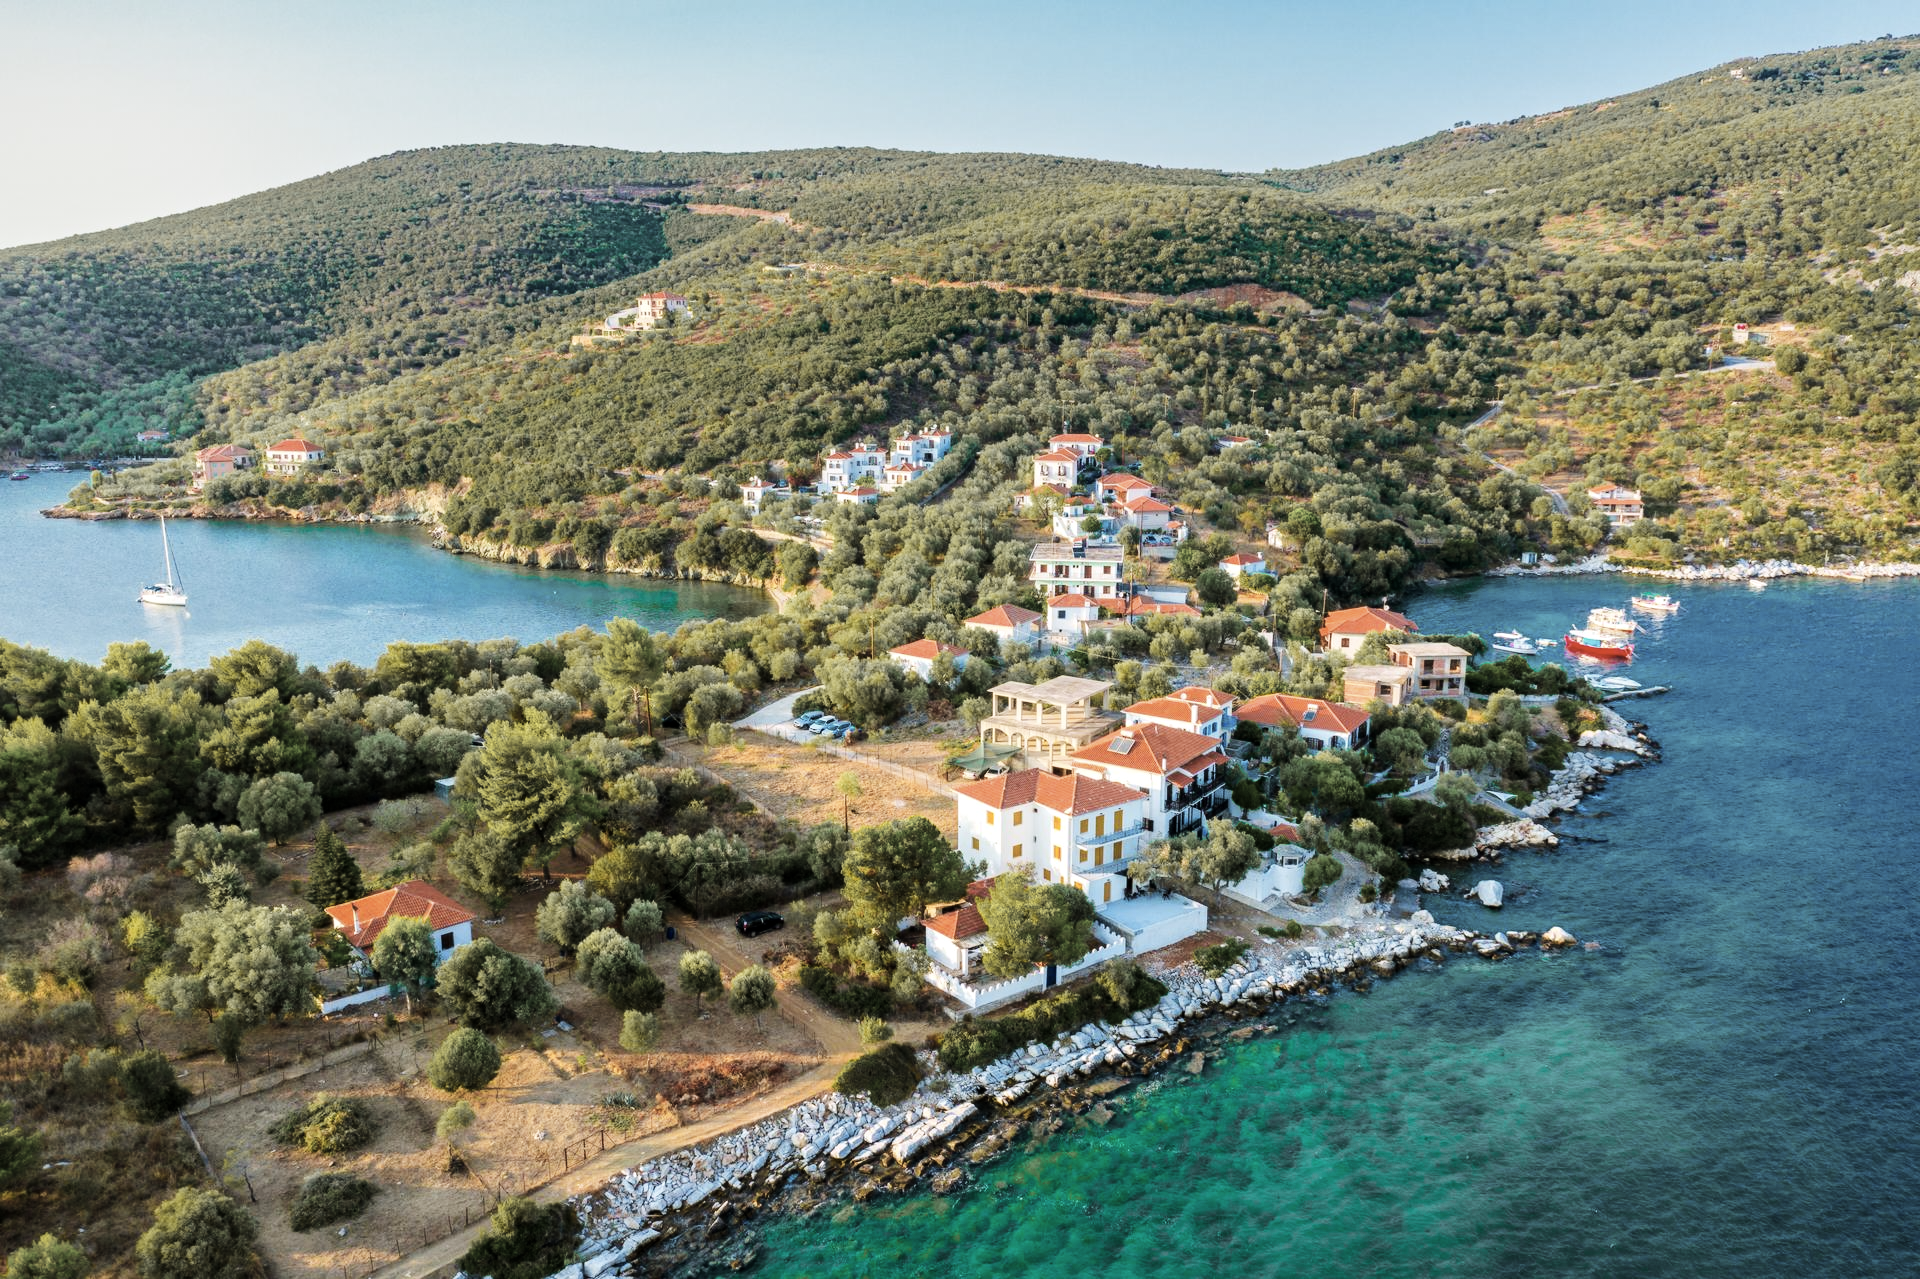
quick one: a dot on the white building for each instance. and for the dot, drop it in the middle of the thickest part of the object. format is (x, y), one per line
(923, 448)
(1078, 443)
(918, 657)
(859, 495)
(1009, 622)
(1439, 670)
(1238, 565)
(1197, 709)
(755, 492)
(850, 468)
(648, 311)
(1182, 773)
(1070, 615)
(1077, 830)
(1060, 466)
(362, 919)
(1148, 514)
(1323, 725)
(290, 457)
(900, 474)
(1120, 487)
(1055, 567)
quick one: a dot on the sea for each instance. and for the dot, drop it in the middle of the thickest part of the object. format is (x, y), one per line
(1725, 1086)
(327, 592)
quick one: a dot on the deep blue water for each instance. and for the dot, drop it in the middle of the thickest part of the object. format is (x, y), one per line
(324, 591)
(1726, 1088)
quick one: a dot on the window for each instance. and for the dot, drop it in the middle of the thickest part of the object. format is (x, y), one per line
(1056, 852)
(1083, 855)
(1099, 855)
(1100, 824)
(1018, 816)
(1083, 825)
(446, 941)
(976, 843)
(1056, 822)
(1019, 849)
(1106, 891)
(1046, 875)
(990, 816)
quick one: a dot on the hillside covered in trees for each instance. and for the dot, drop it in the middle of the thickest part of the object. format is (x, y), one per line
(414, 314)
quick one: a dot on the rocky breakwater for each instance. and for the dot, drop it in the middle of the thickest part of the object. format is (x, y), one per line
(1737, 571)
(655, 1217)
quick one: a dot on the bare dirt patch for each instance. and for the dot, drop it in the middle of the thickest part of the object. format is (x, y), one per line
(1257, 296)
(799, 783)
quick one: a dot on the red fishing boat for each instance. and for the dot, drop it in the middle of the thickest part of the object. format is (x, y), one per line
(1590, 643)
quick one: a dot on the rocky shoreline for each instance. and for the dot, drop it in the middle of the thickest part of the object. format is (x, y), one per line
(656, 1218)
(1738, 571)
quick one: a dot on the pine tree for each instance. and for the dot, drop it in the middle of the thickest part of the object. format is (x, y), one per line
(333, 876)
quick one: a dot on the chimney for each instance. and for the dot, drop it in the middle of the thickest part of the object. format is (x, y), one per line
(355, 908)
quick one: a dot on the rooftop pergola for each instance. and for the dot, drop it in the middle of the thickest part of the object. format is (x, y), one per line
(1049, 721)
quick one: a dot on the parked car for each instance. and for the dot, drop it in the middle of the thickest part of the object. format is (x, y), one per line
(807, 719)
(851, 733)
(755, 922)
(821, 726)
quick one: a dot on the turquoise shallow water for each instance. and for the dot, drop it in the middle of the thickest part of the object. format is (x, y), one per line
(1726, 1088)
(326, 592)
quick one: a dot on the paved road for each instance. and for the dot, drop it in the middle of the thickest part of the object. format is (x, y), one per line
(776, 718)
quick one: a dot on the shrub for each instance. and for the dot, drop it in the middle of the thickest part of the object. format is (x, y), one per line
(875, 1030)
(466, 1059)
(524, 1240)
(19, 1148)
(488, 988)
(645, 921)
(1215, 960)
(1322, 869)
(198, 1234)
(610, 965)
(326, 1126)
(751, 991)
(153, 1090)
(850, 998)
(330, 1197)
(570, 914)
(886, 1074)
(639, 1032)
(50, 1258)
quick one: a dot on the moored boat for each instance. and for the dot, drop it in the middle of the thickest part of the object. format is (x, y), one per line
(1611, 621)
(168, 591)
(19, 475)
(1649, 602)
(1514, 642)
(1589, 643)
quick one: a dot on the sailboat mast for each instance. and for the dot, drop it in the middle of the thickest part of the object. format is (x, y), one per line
(166, 546)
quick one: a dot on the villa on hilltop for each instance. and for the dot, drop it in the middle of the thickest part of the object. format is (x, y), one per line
(649, 311)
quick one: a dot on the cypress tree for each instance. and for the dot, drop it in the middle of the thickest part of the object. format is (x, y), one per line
(333, 876)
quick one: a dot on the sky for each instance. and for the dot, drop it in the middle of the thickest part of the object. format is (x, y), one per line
(118, 112)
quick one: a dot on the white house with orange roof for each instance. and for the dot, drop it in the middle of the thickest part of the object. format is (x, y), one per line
(291, 456)
(1070, 615)
(1077, 829)
(362, 920)
(851, 467)
(1119, 486)
(918, 657)
(1147, 513)
(1323, 725)
(1225, 442)
(858, 495)
(1622, 506)
(1010, 622)
(756, 492)
(1080, 444)
(1344, 630)
(1183, 773)
(898, 475)
(1056, 466)
(1197, 709)
(1057, 567)
(1241, 563)
(922, 448)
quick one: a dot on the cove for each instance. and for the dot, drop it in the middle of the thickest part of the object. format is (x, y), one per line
(1724, 1088)
(327, 592)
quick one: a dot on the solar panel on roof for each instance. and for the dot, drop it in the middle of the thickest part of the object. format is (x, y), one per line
(1122, 745)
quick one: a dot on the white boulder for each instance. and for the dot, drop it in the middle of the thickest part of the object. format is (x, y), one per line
(1489, 893)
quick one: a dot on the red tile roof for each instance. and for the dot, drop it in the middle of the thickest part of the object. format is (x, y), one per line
(1141, 606)
(958, 925)
(1151, 748)
(926, 648)
(1198, 706)
(294, 445)
(1058, 455)
(1072, 599)
(1364, 621)
(1004, 615)
(1076, 437)
(1242, 559)
(223, 453)
(415, 899)
(1074, 793)
(1276, 709)
(1145, 506)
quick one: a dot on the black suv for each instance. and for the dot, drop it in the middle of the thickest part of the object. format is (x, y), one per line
(755, 922)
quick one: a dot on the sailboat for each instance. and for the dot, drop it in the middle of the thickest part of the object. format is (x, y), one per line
(167, 591)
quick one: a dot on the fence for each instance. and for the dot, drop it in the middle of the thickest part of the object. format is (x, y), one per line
(905, 772)
(270, 1071)
(992, 994)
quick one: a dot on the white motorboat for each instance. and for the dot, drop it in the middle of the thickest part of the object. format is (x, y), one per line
(1611, 621)
(1617, 684)
(168, 591)
(1514, 642)
(1648, 602)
